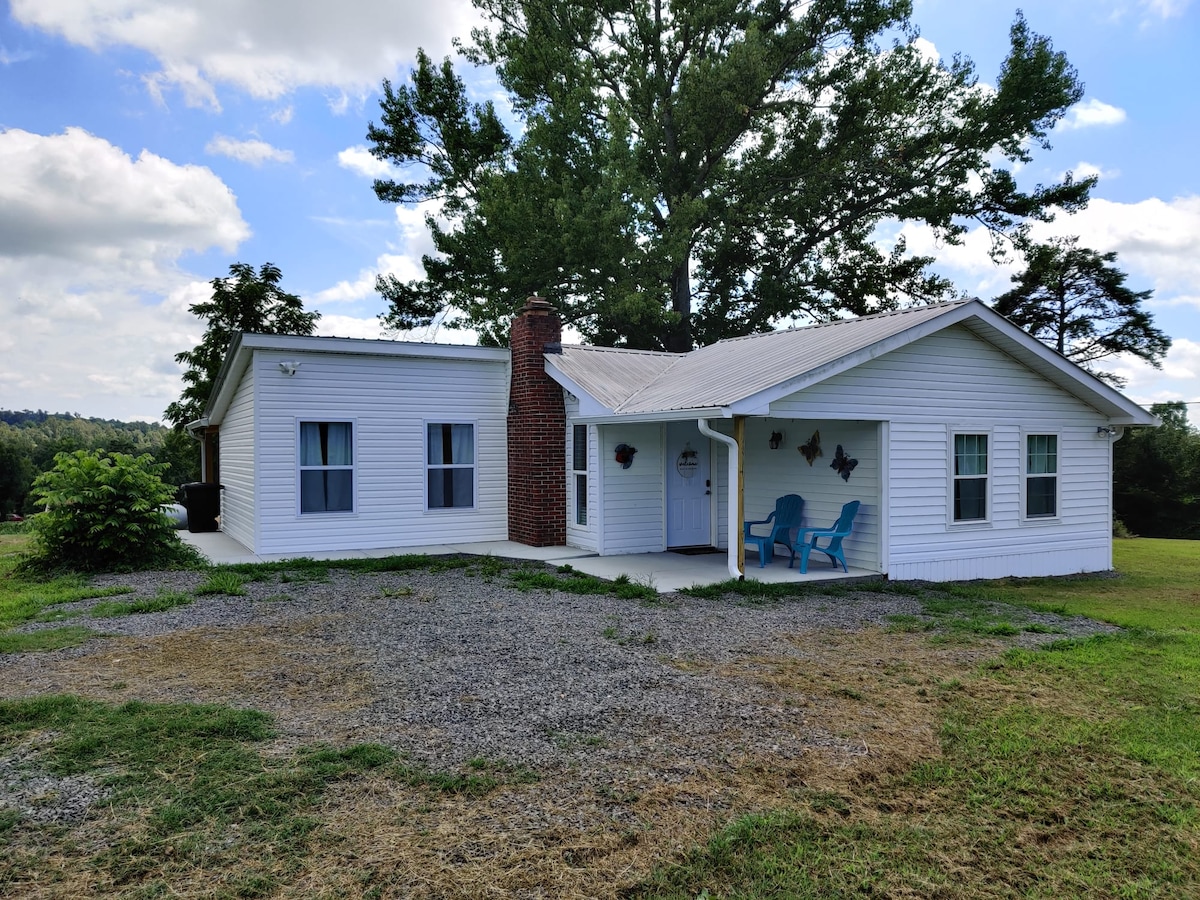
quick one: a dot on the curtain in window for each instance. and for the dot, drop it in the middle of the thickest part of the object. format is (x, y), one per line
(326, 444)
(450, 480)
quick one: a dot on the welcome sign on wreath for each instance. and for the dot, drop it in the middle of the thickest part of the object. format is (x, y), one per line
(687, 462)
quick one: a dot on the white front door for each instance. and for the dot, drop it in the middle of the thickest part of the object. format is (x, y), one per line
(689, 491)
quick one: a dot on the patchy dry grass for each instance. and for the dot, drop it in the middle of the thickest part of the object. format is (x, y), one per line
(962, 769)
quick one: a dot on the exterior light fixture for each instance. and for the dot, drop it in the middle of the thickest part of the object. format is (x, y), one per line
(776, 440)
(289, 367)
(1106, 430)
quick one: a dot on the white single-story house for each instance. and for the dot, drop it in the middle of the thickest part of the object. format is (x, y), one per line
(975, 450)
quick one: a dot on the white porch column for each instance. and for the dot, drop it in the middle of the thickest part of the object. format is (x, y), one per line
(737, 548)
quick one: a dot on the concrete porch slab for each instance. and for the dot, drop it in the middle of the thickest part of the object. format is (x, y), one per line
(671, 571)
(667, 572)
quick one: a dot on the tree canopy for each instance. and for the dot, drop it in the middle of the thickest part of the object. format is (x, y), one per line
(245, 300)
(1156, 476)
(1075, 300)
(685, 172)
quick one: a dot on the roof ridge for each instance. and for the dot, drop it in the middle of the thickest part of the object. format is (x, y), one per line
(593, 347)
(835, 322)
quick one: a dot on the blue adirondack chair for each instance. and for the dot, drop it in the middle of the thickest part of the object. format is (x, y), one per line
(804, 540)
(789, 510)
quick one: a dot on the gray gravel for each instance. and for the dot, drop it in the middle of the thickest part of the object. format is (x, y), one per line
(462, 666)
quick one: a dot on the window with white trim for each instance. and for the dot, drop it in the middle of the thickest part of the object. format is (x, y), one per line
(1041, 476)
(326, 467)
(449, 465)
(970, 478)
(579, 464)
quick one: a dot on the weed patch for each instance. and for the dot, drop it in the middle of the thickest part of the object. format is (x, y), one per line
(160, 602)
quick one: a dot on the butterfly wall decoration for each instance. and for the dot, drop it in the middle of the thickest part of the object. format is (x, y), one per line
(812, 449)
(842, 463)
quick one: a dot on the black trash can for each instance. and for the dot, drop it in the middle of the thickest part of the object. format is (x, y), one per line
(203, 502)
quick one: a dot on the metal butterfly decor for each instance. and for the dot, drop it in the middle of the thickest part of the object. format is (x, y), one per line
(843, 464)
(812, 449)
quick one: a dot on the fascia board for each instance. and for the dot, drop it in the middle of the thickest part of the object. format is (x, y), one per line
(237, 357)
(670, 415)
(294, 343)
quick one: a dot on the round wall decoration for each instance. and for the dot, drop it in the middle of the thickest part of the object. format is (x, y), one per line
(688, 462)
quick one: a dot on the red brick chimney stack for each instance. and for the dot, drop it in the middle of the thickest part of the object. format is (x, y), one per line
(537, 432)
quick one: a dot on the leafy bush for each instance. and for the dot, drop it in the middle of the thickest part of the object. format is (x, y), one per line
(103, 512)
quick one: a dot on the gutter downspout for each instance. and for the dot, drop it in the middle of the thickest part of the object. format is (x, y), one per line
(735, 526)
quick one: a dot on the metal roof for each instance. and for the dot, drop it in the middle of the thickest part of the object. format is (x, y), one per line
(730, 370)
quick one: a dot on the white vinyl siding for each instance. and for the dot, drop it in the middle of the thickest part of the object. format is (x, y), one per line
(238, 465)
(953, 381)
(769, 474)
(633, 500)
(390, 399)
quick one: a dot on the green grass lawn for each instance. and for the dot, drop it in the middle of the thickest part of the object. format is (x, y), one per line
(1067, 772)
(1071, 771)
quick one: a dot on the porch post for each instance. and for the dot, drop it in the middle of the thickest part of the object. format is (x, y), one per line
(736, 558)
(739, 435)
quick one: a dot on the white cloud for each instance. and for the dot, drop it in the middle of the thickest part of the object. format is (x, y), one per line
(93, 303)
(1090, 113)
(351, 327)
(76, 195)
(359, 160)
(1084, 170)
(254, 152)
(283, 115)
(1178, 379)
(1166, 9)
(267, 48)
(1156, 239)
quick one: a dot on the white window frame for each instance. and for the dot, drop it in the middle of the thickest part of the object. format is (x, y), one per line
(426, 466)
(1026, 434)
(352, 468)
(952, 478)
(577, 474)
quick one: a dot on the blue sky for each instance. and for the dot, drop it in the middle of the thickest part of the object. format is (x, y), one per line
(145, 145)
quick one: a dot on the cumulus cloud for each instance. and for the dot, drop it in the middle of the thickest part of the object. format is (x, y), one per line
(75, 195)
(266, 48)
(359, 160)
(1086, 170)
(93, 302)
(1091, 113)
(1157, 239)
(254, 152)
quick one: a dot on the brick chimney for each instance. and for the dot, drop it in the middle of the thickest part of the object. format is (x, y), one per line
(537, 432)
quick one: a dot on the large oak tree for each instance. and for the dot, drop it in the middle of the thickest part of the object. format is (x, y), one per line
(681, 172)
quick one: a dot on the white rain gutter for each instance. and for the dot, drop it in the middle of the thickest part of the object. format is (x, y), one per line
(735, 527)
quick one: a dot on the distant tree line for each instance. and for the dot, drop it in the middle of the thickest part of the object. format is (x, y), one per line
(30, 439)
(1156, 478)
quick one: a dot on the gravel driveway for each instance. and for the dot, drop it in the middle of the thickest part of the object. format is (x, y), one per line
(453, 666)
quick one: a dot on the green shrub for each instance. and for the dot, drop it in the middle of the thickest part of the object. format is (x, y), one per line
(103, 512)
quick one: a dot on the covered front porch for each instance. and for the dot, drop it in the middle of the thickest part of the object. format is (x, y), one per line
(694, 482)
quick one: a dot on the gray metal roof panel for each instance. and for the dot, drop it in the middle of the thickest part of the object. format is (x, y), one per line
(611, 375)
(733, 369)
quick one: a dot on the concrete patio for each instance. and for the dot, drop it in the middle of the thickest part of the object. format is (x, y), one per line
(665, 571)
